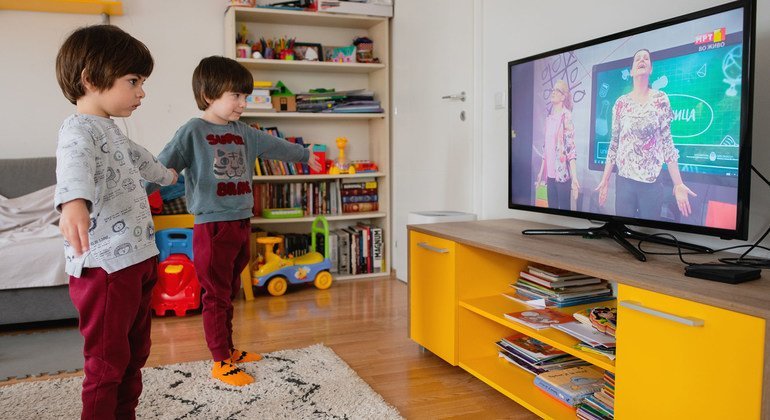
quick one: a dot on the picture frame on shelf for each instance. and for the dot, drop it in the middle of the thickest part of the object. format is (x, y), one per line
(306, 51)
(343, 54)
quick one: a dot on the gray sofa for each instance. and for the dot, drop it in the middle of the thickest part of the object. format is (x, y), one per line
(19, 177)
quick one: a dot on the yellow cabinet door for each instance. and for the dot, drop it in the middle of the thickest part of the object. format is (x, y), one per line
(678, 359)
(433, 295)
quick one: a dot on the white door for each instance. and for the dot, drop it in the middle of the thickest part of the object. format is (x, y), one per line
(433, 152)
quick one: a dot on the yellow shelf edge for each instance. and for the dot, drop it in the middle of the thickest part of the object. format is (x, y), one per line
(542, 405)
(558, 342)
(88, 7)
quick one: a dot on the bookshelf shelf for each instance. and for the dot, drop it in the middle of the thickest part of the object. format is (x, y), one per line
(311, 116)
(329, 217)
(309, 66)
(493, 308)
(320, 177)
(368, 133)
(295, 17)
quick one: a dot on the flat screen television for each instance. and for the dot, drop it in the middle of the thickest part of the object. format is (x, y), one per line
(647, 127)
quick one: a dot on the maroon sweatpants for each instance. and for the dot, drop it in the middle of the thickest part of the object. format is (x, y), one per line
(221, 252)
(115, 323)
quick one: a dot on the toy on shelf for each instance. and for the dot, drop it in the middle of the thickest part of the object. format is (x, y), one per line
(177, 288)
(277, 272)
(364, 166)
(342, 165)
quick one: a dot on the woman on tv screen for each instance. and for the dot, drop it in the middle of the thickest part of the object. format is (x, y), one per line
(557, 169)
(641, 143)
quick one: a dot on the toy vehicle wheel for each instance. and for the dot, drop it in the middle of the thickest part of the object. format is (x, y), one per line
(323, 280)
(277, 286)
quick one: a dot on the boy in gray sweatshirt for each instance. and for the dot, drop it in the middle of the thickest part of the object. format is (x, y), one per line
(218, 153)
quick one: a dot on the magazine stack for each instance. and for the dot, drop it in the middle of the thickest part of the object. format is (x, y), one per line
(533, 355)
(541, 285)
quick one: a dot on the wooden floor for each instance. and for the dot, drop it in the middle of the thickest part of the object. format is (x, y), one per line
(365, 323)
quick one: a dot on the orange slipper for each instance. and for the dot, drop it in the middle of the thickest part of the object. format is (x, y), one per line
(230, 374)
(240, 356)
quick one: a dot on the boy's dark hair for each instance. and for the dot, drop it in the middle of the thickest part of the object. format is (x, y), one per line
(101, 53)
(216, 75)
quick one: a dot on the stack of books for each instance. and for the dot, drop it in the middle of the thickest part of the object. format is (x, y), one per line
(597, 330)
(534, 356)
(570, 386)
(329, 100)
(359, 195)
(547, 286)
(591, 339)
(601, 404)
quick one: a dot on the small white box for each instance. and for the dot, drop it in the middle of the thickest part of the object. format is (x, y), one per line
(424, 217)
(356, 8)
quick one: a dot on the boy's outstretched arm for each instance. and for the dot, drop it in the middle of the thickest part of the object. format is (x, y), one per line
(150, 168)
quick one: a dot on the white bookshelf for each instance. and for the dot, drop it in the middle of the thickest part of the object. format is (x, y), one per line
(368, 134)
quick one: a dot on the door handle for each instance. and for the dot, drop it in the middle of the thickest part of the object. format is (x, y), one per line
(689, 321)
(424, 245)
(456, 97)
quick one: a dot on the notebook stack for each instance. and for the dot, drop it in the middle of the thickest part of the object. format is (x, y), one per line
(533, 355)
(541, 285)
(329, 100)
(601, 404)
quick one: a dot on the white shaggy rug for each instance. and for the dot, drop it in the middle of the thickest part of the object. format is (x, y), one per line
(312, 382)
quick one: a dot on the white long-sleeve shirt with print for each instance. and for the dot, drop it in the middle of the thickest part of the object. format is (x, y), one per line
(96, 162)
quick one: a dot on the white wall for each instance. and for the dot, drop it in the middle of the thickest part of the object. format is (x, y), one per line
(178, 33)
(519, 29)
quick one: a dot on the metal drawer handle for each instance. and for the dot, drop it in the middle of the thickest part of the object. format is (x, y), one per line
(689, 321)
(425, 245)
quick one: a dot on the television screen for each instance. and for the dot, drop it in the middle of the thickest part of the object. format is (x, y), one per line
(647, 127)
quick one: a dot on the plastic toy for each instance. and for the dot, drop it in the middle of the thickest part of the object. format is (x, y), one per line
(177, 288)
(342, 165)
(278, 272)
(174, 241)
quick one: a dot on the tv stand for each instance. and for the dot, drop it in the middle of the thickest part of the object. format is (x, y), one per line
(620, 233)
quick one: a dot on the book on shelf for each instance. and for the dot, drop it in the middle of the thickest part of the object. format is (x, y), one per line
(608, 352)
(552, 284)
(516, 361)
(532, 347)
(558, 361)
(378, 254)
(536, 302)
(539, 318)
(334, 252)
(571, 385)
(343, 259)
(586, 334)
(602, 318)
(589, 408)
(553, 273)
(578, 291)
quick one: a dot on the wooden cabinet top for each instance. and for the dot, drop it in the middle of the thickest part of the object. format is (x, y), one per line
(606, 259)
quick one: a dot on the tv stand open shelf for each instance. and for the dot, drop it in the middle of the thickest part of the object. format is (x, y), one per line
(712, 368)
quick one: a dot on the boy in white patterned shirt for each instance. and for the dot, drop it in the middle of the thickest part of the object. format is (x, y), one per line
(109, 235)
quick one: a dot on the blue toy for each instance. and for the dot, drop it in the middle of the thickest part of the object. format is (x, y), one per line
(278, 272)
(174, 241)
